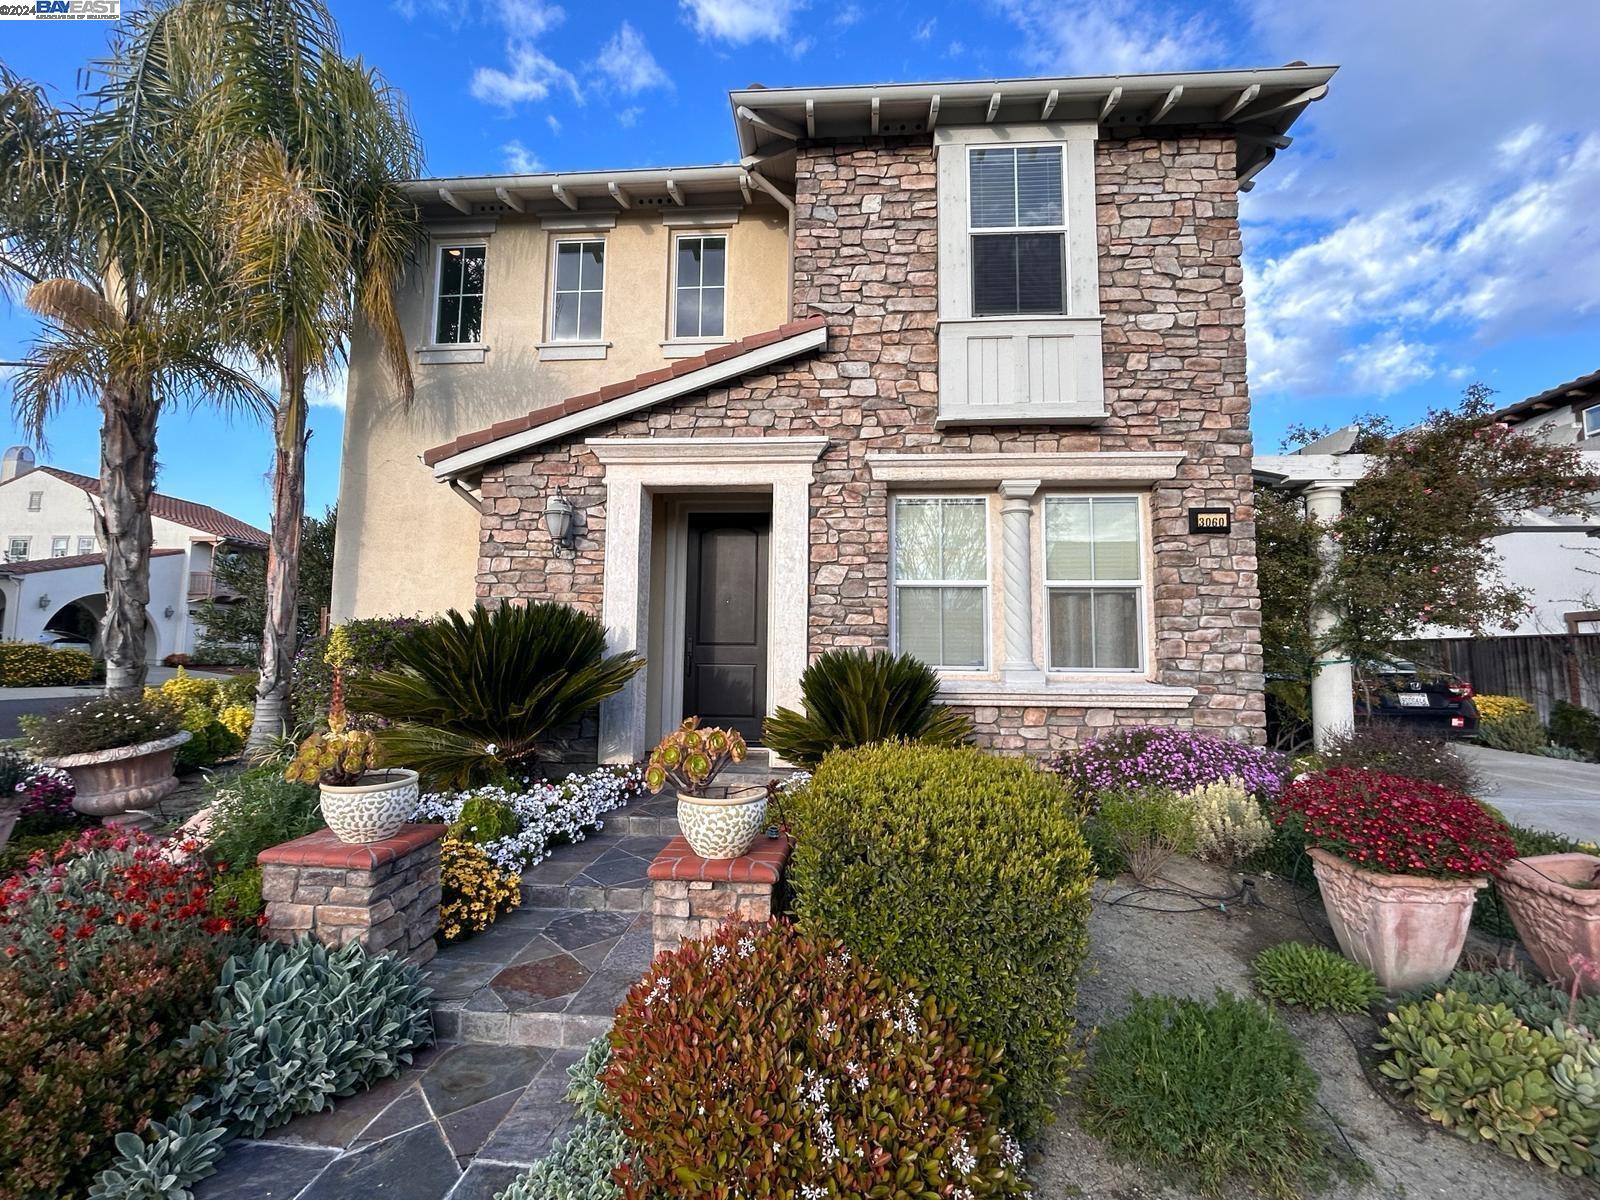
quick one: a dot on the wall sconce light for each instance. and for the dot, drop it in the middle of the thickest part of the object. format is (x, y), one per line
(168, 611)
(560, 521)
(44, 601)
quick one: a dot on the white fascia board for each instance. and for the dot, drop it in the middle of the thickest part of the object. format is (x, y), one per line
(667, 389)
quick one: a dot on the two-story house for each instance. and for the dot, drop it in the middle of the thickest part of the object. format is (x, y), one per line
(52, 580)
(951, 369)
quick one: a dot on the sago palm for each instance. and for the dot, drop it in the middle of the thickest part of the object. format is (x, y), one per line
(94, 226)
(302, 151)
(479, 694)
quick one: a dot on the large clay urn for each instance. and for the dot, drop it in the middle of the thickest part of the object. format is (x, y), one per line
(118, 785)
(1554, 901)
(1408, 929)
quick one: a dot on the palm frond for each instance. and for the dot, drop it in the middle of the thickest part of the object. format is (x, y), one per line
(73, 304)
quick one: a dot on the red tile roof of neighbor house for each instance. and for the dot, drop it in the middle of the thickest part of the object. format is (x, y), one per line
(180, 512)
(616, 391)
(33, 566)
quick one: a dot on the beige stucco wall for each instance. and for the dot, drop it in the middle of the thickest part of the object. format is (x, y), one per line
(409, 545)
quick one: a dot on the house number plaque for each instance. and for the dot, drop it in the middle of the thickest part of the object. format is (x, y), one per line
(1210, 520)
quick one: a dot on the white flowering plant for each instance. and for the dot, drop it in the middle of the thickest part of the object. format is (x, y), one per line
(548, 814)
(103, 723)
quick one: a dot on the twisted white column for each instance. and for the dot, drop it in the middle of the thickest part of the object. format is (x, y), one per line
(1016, 516)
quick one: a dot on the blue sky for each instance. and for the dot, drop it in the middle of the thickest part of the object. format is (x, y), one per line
(1437, 220)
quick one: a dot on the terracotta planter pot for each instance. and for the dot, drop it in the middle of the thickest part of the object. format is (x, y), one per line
(722, 826)
(1554, 918)
(373, 809)
(116, 785)
(1408, 929)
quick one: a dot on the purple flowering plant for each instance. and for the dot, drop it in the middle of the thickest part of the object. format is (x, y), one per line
(1162, 756)
(46, 792)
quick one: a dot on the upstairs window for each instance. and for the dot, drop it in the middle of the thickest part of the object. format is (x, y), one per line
(17, 550)
(35, 501)
(58, 547)
(86, 545)
(1017, 223)
(459, 320)
(941, 580)
(1094, 582)
(1591, 422)
(701, 287)
(580, 283)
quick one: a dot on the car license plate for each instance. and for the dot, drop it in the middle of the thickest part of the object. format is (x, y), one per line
(1412, 700)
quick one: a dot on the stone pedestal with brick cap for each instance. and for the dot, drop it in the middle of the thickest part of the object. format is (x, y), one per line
(384, 895)
(694, 895)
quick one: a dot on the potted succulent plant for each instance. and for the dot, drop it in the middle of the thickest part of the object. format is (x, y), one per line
(717, 822)
(362, 801)
(1554, 901)
(1399, 862)
(118, 750)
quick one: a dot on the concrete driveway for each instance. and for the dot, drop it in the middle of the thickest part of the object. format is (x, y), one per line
(1541, 793)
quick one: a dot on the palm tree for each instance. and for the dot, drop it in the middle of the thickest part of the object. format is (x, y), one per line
(302, 150)
(92, 223)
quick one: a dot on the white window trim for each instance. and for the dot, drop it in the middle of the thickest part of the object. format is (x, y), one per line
(35, 501)
(1143, 611)
(986, 585)
(27, 548)
(434, 353)
(704, 341)
(976, 231)
(82, 550)
(553, 343)
(66, 546)
(1589, 421)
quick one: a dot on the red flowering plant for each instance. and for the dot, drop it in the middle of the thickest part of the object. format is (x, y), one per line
(761, 1062)
(1394, 825)
(61, 915)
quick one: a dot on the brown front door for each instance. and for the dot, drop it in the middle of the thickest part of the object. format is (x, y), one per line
(725, 626)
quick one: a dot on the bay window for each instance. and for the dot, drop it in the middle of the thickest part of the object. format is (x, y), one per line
(941, 580)
(1094, 583)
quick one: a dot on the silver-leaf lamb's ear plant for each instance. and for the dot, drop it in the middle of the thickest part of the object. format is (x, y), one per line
(1314, 977)
(178, 1154)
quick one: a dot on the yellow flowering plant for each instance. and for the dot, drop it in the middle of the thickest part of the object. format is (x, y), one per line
(689, 758)
(1498, 708)
(476, 893)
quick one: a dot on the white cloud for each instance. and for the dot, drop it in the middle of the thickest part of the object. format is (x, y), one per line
(628, 64)
(520, 160)
(1108, 37)
(925, 30)
(554, 122)
(1420, 218)
(629, 117)
(530, 74)
(741, 22)
(847, 16)
(329, 392)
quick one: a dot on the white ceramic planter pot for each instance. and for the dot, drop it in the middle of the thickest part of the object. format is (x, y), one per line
(373, 809)
(722, 826)
(116, 785)
(1408, 929)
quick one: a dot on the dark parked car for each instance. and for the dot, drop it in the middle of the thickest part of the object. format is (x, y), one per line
(1424, 698)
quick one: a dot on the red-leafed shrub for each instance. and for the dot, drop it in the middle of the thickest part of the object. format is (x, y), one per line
(1395, 825)
(105, 889)
(759, 1062)
(76, 1070)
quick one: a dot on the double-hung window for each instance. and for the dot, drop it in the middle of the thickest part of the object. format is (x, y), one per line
(85, 545)
(941, 580)
(1591, 421)
(58, 547)
(458, 319)
(17, 550)
(700, 286)
(1094, 581)
(579, 294)
(1017, 225)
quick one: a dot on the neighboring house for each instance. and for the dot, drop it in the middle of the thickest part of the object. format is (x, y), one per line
(941, 368)
(52, 581)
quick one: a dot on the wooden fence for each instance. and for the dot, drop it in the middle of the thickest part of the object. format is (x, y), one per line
(1541, 669)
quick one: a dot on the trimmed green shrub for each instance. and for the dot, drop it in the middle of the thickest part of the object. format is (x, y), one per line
(1217, 1092)
(855, 698)
(484, 819)
(964, 870)
(257, 809)
(1575, 728)
(582, 1165)
(238, 895)
(758, 1061)
(1314, 977)
(238, 689)
(1487, 1076)
(1518, 732)
(475, 697)
(1535, 1003)
(29, 664)
(1139, 829)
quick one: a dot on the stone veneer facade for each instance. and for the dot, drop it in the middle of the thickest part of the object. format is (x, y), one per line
(865, 254)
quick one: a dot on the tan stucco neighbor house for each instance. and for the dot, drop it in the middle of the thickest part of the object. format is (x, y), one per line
(952, 369)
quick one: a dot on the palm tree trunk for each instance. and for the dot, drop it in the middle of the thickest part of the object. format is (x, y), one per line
(122, 519)
(280, 638)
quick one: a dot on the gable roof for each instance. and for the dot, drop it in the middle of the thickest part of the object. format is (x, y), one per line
(35, 566)
(1574, 391)
(201, 517)
(473, 450)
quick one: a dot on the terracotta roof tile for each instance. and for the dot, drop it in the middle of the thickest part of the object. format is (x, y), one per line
(181, 512)
(33, 566)
(616, 391)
